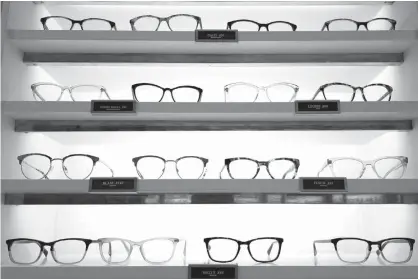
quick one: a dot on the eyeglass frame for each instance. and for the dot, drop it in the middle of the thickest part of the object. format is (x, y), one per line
(63, 88)
(166, 19)
(360, 23)
(95, 159)
(79, 22)
(330, 161)
(202, 175)
(262, 88)
(198, 89)
(379, 243)
(260, 25)
(240, 243)
(361, 88)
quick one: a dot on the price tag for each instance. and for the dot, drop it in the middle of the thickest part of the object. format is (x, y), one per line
(323, 184)
(216, 36)
(317, 107)
(113, 106)
(114, 185)
(209, 271)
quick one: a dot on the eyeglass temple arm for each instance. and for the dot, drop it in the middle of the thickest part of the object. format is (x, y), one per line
(401, 164)
(44, 251)
(323, 27)
(220, 173)
(317, 242)
(38, 170)
(327, 163)
(292, 168)
(39, 95)
(316, 94)
(107, 166)
(103, 90)
(184, 252)
(205, 169)
(384, 96)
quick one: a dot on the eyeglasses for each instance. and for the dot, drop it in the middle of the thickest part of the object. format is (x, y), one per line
(64, 251)
(65, 23)
(46, 91)
(187, 167)
(247, 92)
(346, 93)
(345, 24)
(154, 251)
(262, 250)
(148, 92)
(250, 25)
(358, 250)
(74, 166)
(179, 22)
(246, 168)
(385, 167)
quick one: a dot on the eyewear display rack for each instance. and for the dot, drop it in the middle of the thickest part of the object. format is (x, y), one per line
(22, 49)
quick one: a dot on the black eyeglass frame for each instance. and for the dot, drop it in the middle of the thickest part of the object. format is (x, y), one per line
(240, 243)
(359, 23)
(166, 19)
(260, 25)
(135, 86)
(79, 22)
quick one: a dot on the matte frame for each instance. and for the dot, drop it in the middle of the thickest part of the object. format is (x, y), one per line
(260, 25)
(164, 90)
(166, 19)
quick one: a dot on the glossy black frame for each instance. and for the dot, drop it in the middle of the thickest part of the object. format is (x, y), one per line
(239, 243)
(134, 86)
(361, 88)
(296, 163)
(359, 23)
(79, 22)
(42, 249)
(379, 243)
(166, 19)
(260, 25)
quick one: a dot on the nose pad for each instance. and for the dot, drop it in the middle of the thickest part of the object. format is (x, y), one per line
(64, 168)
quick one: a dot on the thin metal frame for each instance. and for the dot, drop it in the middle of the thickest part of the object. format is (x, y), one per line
(380, 252)
(202, 175)
(359, 23)
(278, 240)
(295, 167)
(135, 86)
(45, 174)
(166, 19)
(79, 22)
(403, 163)
(230, 24)
(63, 88)
(361, 88)
(262, 88)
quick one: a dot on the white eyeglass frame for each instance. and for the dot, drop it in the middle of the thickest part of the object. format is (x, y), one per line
(262, 88)
(63, 88)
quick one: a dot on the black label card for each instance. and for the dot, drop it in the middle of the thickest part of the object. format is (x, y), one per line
(323, 184)
(314, 107)
(113, 106)
(213, 271)
(216, 35)
(113, 185)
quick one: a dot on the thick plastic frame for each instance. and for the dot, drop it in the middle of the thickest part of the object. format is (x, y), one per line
(79, 22)
(45, 175)
(202, 175)
(63, 88)
(43, 251)
(380, 252)
(402, 159)
(262, 88)
(387, 87)
(325, 27)
(166, 19)
(296, 164)
(248, 243)
(134, 86)
(260, 25)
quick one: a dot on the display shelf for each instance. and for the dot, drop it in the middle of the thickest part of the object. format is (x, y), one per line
(244, 272)
(92, 47)
(76, 116)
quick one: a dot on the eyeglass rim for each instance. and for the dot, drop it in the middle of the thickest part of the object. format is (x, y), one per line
(44, 20)
(166, 19)
(360, 23)
(291, 85)
(260, 25)
(63, 88)
(136, 85)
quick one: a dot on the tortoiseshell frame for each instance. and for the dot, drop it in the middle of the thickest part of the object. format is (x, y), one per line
(80, 22)
(360, 23)
(166, 19)
(239, 243)
(260, 25)
(387, 87)
(134, 86)
(43, 251)
(381, 245)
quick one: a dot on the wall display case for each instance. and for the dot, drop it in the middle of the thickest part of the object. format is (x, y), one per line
(284, 149)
